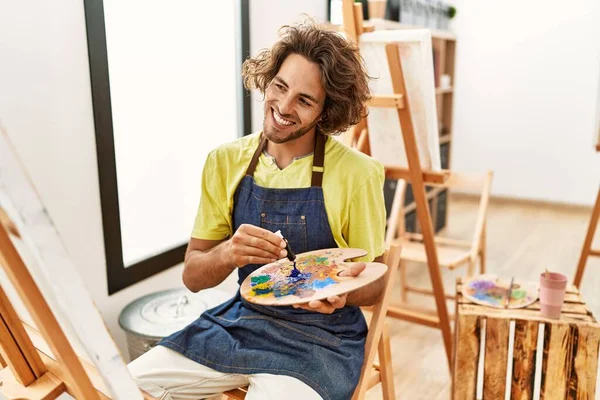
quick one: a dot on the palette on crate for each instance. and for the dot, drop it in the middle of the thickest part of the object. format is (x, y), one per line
(492, 291)
(277, 284)
(569, 360)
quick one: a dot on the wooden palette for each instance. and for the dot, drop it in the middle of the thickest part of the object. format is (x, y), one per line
(274, 285)
(489, 290)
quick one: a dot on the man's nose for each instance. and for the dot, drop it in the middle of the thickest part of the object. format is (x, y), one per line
(286, 105)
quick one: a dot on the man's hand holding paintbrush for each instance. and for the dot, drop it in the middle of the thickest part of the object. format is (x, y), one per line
(254, 245)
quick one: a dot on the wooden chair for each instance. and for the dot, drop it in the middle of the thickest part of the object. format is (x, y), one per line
(378, 340)
(452, 253)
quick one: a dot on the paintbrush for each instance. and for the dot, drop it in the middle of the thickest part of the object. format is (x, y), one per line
(290, 254)
(509, 292)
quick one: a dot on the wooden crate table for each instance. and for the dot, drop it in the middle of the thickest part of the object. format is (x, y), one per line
(569, 359)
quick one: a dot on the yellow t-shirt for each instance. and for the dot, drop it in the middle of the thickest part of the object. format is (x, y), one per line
(352, 190)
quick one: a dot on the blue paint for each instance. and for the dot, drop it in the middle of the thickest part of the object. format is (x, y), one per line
(295, 272)
(299, 277)
(323, 283)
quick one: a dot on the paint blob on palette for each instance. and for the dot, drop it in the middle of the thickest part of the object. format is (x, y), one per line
(489, 290)
(277, 284)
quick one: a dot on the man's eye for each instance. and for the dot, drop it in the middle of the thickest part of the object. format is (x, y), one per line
(304, 102)
(278, 86)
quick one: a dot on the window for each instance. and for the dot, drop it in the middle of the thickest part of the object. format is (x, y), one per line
(166, 90)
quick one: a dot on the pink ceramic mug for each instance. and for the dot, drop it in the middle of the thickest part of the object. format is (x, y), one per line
(552, 294)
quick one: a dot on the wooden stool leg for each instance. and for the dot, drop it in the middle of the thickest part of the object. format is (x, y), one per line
(403, 283)
(587, 245)
(385, 361)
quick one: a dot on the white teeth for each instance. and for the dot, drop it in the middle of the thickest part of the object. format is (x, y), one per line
(280, 119)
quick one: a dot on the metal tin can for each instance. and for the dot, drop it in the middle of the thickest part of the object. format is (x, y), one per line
(152, 317)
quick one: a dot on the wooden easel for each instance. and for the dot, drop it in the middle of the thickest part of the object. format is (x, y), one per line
(28, 371)
(354, 27)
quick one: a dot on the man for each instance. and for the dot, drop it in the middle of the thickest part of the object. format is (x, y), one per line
(320, 194)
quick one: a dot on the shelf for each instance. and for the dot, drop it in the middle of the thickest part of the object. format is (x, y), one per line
(380, 23)
(443, 91)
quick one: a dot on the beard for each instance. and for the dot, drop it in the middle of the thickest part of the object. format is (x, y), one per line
(275, 136)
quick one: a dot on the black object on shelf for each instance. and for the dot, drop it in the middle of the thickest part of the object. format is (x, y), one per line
(392, 10)
(365, 7)
(410, 221)
(442, 206)
(389, 191)
(444, 155)
(409, 197)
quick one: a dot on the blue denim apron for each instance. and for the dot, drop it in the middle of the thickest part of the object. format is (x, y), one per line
(324, 351)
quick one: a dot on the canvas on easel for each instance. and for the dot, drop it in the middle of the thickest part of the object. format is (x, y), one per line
(44, 304)
(385, 131)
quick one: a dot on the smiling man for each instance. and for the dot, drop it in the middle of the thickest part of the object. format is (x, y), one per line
(320, 194)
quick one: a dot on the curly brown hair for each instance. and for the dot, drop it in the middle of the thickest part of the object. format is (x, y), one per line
(343, 73)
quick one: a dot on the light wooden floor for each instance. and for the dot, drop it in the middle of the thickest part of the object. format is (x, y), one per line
(523, 239)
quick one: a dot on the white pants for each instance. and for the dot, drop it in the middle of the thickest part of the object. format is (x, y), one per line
(168, 375)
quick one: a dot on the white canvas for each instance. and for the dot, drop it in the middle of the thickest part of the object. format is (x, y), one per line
(41, 249)
(385, 133)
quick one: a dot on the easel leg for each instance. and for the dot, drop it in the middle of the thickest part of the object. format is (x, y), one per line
(587, 245)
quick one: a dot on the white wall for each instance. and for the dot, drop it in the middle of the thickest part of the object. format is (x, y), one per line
(46, 108)
(526, 96)
(266, 17)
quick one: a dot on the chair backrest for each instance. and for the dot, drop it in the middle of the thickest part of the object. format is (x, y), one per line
(481, 183)
(391, 258)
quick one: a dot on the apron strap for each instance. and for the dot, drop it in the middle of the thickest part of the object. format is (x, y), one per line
(319, 156)
(318, 159)
(257, 153)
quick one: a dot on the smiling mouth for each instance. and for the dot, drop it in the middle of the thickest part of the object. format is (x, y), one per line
(279, 120)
